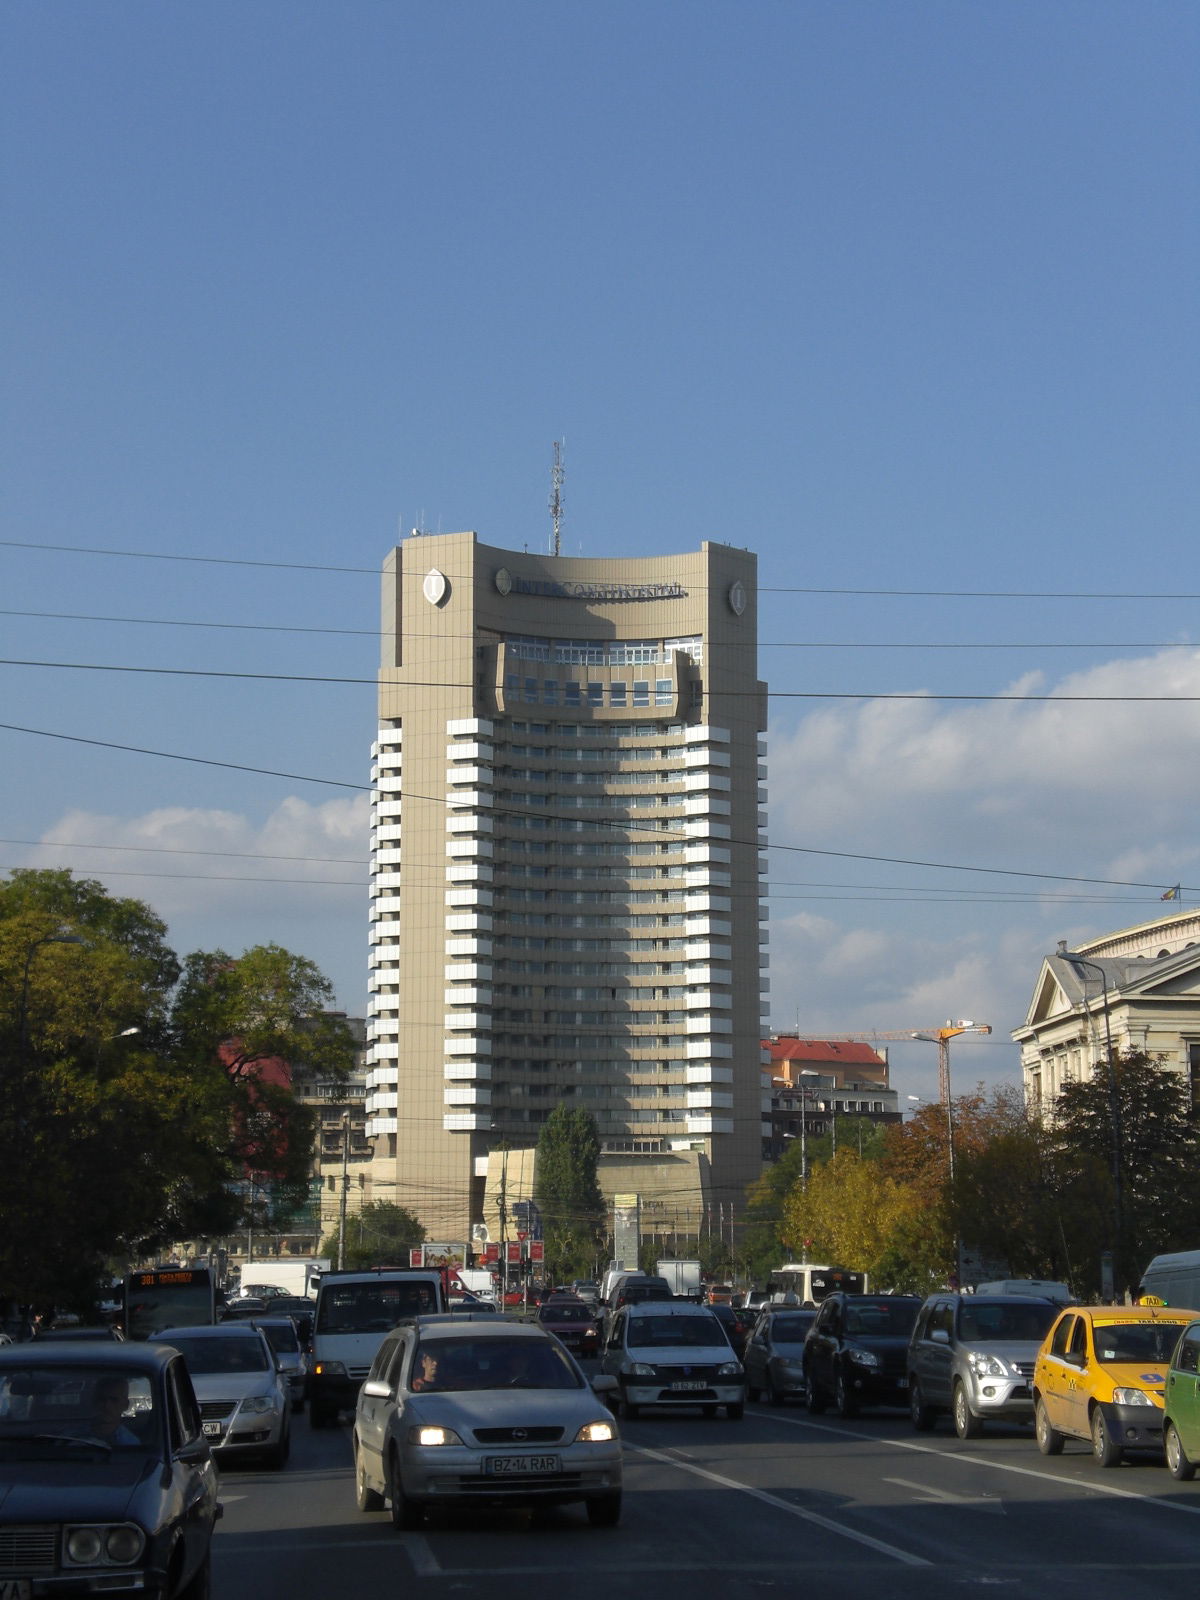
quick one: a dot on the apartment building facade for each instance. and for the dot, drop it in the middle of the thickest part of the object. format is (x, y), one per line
(567, 865)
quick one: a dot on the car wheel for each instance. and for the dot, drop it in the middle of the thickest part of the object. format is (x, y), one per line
(776, 1394)
(844, 1397)
(632, 1412)
(813, 1398)
(604, 1510)
(199, 1585)
(1106, 1451)
(405, 1515)
(1177, 1462)
(922, 1415)
(752, 1392)
(735, 1411)
(1049, 1440)
(365, 1498)
(967, 1423)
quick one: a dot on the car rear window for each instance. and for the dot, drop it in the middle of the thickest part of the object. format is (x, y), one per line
(1000, 1320)
(881, 1317)
(452, 1365)
(1135, 1341)
(694, 1332)
(221, 1355)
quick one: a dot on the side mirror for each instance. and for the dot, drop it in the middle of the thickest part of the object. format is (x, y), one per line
(940, 1336)
(604, 1383)
(377, 1389)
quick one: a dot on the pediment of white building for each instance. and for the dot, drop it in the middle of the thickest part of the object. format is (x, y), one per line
(1049, 999)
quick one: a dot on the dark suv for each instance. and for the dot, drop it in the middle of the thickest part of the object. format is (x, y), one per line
(856, 1350)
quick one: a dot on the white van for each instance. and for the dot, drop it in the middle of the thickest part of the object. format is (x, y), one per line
(1048, 1288)
(1173, 1279)
(354, 1312)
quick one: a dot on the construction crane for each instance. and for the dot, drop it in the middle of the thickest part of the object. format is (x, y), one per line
(939, 1036)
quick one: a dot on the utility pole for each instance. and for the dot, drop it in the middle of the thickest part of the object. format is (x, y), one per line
(341, 1260)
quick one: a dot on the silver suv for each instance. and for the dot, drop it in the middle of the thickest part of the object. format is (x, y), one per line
(972, 1355)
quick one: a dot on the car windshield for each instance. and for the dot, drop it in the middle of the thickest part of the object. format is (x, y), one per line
(372, 1306)
(222, 1354)
(49, 1411)
(881, 1317)
(998, 1320)
(564, 1313)
(1135, 1341)
(449, 1365)
(790, 1330)
(282, 1337)
(694, 1332)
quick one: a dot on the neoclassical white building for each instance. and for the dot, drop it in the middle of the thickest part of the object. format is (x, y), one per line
(1139, 988)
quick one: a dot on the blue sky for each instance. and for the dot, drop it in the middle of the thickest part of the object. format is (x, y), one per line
(902, 297)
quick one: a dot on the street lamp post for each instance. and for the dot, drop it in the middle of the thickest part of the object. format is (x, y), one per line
(1114, 1102)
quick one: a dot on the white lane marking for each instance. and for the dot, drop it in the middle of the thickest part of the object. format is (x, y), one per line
(976, 1502)
(997, 1466)
(425, 1563)
(778, 1504)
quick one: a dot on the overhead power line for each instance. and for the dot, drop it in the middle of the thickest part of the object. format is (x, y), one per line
(760, 644)
(914, 594)
(750, 694)
(623, 825)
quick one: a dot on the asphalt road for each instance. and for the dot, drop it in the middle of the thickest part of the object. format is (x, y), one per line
(779, 1500)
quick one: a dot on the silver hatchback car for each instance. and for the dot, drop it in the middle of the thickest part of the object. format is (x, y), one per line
(459, 1411)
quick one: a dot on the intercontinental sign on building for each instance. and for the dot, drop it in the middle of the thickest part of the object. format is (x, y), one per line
(566, 859)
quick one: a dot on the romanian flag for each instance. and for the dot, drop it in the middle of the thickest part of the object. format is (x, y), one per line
(1172, 894)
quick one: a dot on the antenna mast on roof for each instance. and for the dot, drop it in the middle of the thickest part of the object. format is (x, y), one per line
(556, 499)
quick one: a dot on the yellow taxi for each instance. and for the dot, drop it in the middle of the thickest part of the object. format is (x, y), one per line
(1100, 1377)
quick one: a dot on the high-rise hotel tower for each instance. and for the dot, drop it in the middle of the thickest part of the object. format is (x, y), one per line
(567, 859)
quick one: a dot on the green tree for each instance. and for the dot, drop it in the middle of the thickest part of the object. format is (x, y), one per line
(567, 1191)
(1143, 1117)
(380, 1234)
(121, 1126)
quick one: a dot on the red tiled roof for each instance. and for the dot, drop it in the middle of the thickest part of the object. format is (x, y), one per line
(844, 1052)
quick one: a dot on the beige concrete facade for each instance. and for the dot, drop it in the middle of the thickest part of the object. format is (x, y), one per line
(567, 865)
(1140, 988)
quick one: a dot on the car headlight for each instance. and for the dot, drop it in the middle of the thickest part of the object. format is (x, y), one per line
(1133, 1397)
(330, 1369)
(103, 1544)
(426, 1433)
(258, 1402)
(861, 1358)
(595, 1433)
(986, 1366)
(639, 1369)
(729, 1369)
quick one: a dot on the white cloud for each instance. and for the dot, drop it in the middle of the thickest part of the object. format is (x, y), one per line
(1097, 789)
(209, 874)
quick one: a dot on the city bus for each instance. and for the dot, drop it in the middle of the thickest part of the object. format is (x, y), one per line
(810, 1283)
(168, 1297)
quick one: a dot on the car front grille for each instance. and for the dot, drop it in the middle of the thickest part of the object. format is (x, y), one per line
(1025, 1368)
(29, 1550)
(217, 1410)
(518, 1435)
(686, 1374)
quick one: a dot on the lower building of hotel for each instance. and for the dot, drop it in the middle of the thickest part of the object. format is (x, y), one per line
(567, 876)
